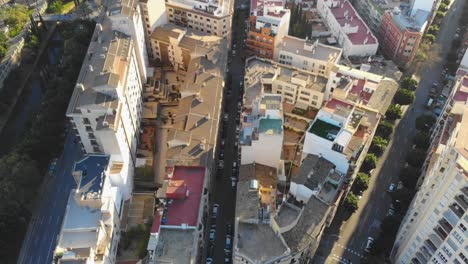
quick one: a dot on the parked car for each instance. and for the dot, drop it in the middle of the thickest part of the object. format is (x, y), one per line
(233, 184)
(229, 229)
(221, 164)
(391, 188)
(369, 245)
(228, 242)
(214, 211)
(209, 261)
(391, 212)
(226, 117)
(212, 235)
(222, 142)
(227, 256)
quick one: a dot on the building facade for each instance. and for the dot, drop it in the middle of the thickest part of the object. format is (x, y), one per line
(307, 55)
(349, 29)
(372, 11)
(434, 228)
(268, 24)
(401, 35)
(153, 15)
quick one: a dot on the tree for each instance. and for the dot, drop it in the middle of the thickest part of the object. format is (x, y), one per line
(362, 181)
(409, 83)
(394, 112)
(434, 30)
(351, 202)
(427, 53)
(55, 7)
(440, 14)
(369, 163)
(422, 140)
(430, 37)
(425, 122)
(404, 97)
(416, 158)
(409, 176)
(443, 7)
(15, 17)
(385, 129)
(378, 145)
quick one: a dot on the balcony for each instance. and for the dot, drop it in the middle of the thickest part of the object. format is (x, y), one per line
(440, 232)
(462, 201)
(426, 252)
(430, 246)
(420, 257)
(457, 210)
(415, 261)
(447, 227)
(436, 241)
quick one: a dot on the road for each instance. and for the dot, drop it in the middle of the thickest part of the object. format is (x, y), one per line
(40, 241)
(344, 241)
(222, 192)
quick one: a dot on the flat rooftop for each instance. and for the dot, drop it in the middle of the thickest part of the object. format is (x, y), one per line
(345, 14)
(317, 50)
(324, 130)
(271, 126)
(414, 23)
(258, 242)
(92, 169)
(185, 211)
(174, 245)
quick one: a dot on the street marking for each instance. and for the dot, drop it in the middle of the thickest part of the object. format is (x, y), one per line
(57, 220)
(341, 260)
(349, 250)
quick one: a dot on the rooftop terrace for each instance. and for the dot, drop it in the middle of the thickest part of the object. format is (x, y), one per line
(271, 126)
(324, 130)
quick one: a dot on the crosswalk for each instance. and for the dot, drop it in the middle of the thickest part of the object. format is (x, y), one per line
(349, 250)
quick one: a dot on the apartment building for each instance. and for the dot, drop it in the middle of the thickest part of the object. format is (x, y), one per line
(434, 228)
(175, 45)
(307, 55)
(401, 35)
(208, 16)
(463, 67)
(288, 224)
(349, 29)
(184, 158)
(126, 17)
(299, 87)
(90, 229)
(372, 11)
(153, 15)
(268, 24)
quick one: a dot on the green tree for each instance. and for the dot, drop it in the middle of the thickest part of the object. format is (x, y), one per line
(430, 37)
(434, 29)
(351, 202)
(362, 181)
(427, 53)
(55, 7)
(385, 129)
(425, 122)
(15, 17)
(378, 145)
(404, 97)
(416, 158)
(369, 163)
(443, 7)
(422, 140)
(394, 112)
(409, 176)
(409, 83)
(440, 14)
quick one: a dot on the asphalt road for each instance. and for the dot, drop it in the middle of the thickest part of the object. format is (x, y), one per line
(344, 242)
(222, 192)
(41, 239)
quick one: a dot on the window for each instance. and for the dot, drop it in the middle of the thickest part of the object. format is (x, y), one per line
(305, 63)
(458, 237)
(86, 121)
(463, 258)
(447, 251)
(315, 97)
(305, 93)
(462, 228)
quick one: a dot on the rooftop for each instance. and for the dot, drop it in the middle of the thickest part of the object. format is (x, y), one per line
(271, 126)
(324, 130)
(174, 245)
(105, 65)
(314, 50)
(92, 169)
(184, 210)
(250, 236)
(415, 23)
(346, 16)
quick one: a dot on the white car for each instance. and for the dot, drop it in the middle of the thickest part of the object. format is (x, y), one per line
(369, 244)
(391, 188)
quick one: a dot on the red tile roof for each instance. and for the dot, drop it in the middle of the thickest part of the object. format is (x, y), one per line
(334, 103)
(344, 13)
(461, 95)
(185, 211)
(358, 89)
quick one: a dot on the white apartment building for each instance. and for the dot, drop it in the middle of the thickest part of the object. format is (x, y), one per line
(434, 228)
(261, 138)
(90, 229)
(207, 16)
(153, 15)
(350, 30)
(299, 87)
(126, 17)
(310, 56)
(105, 107)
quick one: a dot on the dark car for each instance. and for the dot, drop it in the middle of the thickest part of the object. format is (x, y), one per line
(214, 212)
(227, 256)
(228, 242)
(229, 229)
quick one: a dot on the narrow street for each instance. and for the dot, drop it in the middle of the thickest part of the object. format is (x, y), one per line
(344, 241)
(40, 241)
(222, 193)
